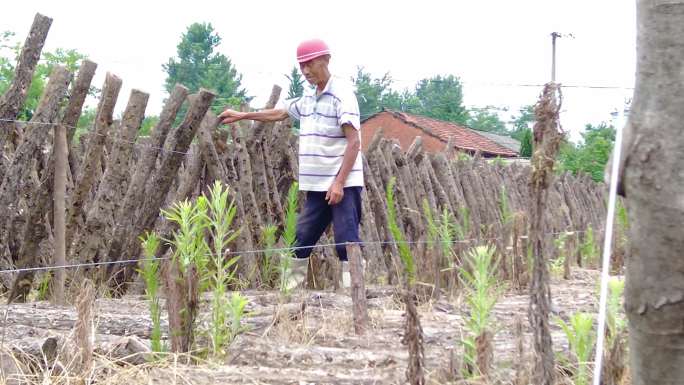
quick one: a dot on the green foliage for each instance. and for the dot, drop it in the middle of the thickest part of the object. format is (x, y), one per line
(483, 119)
(44, 287)
(221, 215)
(557, 265)
(588, 249)
(404, 250)
(623, 219)
(441, 230)
(150, 274)
(296, 88)
(482, 291)
(504, 207)
(522, 123)
(236, 311)
(198, 66)
(85, 123)
(441, 97)
(374, 94)
(616, 323)
(190, 246)
(591, 155)
(209, 218)
(147, 125)
(69, 58)
(268, 270)
(289, 234)
(580, 336)
(526, 146)
(462, 229)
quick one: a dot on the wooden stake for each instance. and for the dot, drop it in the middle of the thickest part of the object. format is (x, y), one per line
(60, 213)
(358, 290)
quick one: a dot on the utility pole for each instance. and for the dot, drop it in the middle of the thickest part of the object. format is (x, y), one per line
(554, 35)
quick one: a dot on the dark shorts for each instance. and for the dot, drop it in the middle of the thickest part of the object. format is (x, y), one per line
(317, 215)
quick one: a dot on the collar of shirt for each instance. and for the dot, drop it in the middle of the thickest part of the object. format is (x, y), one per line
(311, 91)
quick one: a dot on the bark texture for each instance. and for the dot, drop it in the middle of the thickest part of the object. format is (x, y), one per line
(653, 181)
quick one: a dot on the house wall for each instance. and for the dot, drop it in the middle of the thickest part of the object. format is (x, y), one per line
(394, 128)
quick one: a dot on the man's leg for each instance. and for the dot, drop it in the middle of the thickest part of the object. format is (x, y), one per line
(346, 217)
(313, 220)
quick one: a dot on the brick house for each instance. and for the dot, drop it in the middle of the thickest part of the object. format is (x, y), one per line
(435, 133)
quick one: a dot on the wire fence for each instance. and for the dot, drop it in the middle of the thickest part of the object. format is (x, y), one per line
(270, 250)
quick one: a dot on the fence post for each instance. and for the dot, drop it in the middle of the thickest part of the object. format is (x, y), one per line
(358, 289)
(59, 213)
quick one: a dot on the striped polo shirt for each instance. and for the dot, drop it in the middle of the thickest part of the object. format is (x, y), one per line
(321, 140)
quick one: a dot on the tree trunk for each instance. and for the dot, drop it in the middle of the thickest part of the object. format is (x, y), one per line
(653, 182)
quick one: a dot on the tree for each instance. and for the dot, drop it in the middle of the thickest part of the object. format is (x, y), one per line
(69, 58)
(522, 123)
(441, 97)
(374, 94)
(652, 183)
(526, 147)
(296, 88)
(591, 155)
(484, 119)
(198, 66)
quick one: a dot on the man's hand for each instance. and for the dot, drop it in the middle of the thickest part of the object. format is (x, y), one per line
(335, 193)
(231, 116)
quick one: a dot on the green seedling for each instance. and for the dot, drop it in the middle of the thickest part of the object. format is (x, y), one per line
(482, 292)
(150, 274)
(580, 335)
(404, 250)
(289, 235)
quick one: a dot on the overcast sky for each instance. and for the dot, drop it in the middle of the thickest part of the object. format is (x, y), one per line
(492, 45)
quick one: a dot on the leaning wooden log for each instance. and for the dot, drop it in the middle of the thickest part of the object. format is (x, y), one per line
(255, 146)
(259, 128)
(162, 180)
(72, 112)
(151, 148)
(218, 170)
(13, 99)
(101, 216)
(88, 170)
(15, 182)
(273, 193)
(34, 231)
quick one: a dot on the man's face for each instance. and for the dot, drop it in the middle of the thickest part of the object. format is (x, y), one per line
(315, 70)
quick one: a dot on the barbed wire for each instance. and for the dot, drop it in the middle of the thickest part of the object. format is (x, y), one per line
(271, 250)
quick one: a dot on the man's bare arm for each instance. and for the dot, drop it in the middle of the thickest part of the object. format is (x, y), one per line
(336, 191)
(271, 115)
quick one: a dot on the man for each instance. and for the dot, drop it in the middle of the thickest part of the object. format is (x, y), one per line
(330, 165)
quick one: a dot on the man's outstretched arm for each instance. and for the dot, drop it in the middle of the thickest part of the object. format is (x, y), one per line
(271, 115)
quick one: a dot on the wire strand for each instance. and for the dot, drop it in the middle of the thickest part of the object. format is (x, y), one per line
(260, 251)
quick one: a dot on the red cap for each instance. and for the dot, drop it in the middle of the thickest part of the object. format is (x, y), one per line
(311, 49)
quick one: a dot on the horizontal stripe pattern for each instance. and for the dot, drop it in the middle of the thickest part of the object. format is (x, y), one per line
(322, 141)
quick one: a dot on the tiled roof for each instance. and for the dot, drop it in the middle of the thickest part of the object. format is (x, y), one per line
(503, 140)
(463, 138)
